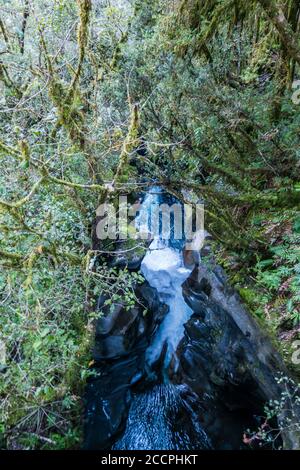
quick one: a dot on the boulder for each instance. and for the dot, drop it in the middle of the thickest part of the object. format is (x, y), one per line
(121, 339)
(226, 357)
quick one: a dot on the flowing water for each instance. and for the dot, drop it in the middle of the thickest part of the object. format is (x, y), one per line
(164, 269)
(131, 402)
(162, 417)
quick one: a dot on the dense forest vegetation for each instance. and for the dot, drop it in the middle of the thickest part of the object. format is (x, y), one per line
(210, 91)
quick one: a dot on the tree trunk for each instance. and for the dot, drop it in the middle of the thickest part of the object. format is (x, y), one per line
(24, 23)
(293, 17)
(283, 27)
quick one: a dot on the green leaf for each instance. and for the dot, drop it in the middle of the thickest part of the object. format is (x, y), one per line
(44, 332)
(37, 344)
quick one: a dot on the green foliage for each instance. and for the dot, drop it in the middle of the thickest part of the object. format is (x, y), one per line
(207, 87)
(284, 410)
(47, 348)
(281, 275)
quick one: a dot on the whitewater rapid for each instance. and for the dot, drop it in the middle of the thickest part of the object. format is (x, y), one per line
(163, 268)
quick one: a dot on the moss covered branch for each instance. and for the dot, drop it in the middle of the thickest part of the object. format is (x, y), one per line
(286, 33)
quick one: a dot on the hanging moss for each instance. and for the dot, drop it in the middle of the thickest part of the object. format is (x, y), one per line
(82, 38)
(25, 150)
(131, 142)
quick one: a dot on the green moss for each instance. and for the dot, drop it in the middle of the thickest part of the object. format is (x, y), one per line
(249, 296)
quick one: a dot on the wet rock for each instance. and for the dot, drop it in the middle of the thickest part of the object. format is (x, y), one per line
(156, 372)
(117, 321)
(225, 356)
(118, 331)
(225, 314)
(108, 398)
(122, 336)
(129, 254)
(190, 258)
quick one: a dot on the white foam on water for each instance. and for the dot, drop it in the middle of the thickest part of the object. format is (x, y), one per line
(163, 268)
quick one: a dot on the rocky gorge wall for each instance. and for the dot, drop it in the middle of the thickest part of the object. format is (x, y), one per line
(197, 356)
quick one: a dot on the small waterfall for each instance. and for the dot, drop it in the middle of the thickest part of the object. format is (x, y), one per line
(163, 268)
(163, 419)
(161, 415)
(132, 404)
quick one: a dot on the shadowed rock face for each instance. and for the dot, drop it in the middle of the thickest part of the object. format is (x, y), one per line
(215, 384)
(234, 354)
(121, 340)
(119, 330)
(225, 356)
(222, 382)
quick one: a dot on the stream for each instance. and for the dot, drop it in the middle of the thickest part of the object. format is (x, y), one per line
(155, 416)
(189, 375)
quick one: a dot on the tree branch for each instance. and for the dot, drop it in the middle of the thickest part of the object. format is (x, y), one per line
(283, 27)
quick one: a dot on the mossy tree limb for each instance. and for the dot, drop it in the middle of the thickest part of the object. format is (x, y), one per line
(286, 33)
